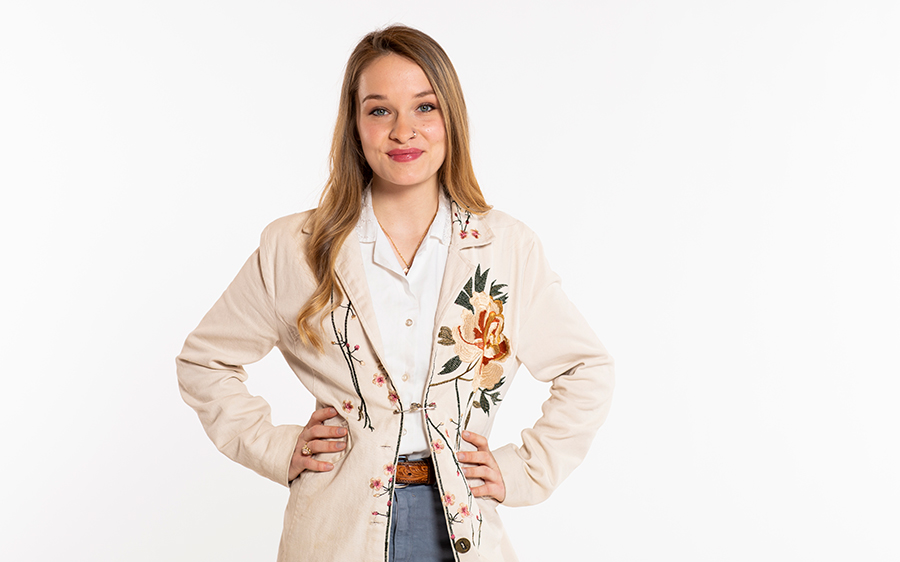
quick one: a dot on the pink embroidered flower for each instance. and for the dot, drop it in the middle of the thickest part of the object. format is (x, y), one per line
(448, 499)
(480, 339)
(390, 469)
(375, 483)
(347, 406)
(464, 510)
(437, 446)
(378, 379)
(463, 234)
(474, 232)
(393, 397)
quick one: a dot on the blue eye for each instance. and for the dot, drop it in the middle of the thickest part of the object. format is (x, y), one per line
(378, 112)
(426, 107)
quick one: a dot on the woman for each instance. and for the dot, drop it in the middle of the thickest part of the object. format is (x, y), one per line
(405, 305)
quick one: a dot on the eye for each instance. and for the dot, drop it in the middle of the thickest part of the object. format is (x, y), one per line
(378, 112)
(426, 107)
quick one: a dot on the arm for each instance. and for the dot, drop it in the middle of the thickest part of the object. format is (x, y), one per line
(240, 328)
(558, 346)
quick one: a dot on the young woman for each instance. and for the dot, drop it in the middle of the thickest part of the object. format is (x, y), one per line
(405, 305)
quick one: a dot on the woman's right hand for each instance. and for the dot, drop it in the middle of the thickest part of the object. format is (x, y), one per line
(318, 437)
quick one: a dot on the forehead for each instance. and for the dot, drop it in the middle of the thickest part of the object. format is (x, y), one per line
(392, 76)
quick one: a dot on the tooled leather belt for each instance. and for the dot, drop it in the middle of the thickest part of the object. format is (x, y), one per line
(419, 471)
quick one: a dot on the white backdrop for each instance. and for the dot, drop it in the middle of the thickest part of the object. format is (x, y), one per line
(734, 166)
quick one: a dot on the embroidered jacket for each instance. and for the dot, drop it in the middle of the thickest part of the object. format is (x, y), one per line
(500, 306)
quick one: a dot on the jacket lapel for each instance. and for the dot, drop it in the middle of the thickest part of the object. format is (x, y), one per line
(469, 232)
(349, 269)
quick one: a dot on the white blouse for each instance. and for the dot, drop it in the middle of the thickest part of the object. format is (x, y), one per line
(405, 306)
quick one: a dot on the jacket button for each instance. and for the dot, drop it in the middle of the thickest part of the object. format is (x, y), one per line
(462, 545)
(409, 322)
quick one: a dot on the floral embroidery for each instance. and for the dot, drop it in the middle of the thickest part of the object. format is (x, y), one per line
(437, 446)
(383, 488)
(348, 352)
(464, 510)
(393, 396)
(479, 341)
(463, 222)
(347, 406)
(378, 379)
(448, 499)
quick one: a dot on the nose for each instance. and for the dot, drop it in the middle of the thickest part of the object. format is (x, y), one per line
(402, 131)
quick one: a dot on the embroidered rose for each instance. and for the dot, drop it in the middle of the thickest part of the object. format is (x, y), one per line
(480, 339)
(437, 446)
(347, 406)
(448, 499)
(378, 379)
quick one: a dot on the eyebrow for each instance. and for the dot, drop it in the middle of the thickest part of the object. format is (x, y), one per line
(381, 97)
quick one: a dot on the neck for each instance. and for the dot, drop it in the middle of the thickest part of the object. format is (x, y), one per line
(405, 211)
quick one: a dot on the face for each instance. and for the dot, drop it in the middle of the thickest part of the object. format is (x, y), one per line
(400, 125)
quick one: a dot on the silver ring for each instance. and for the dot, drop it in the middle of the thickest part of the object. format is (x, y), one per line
(415, 134)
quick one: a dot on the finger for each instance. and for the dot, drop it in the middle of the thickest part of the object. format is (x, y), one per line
(479, 441)
(324, 432)
(490, 490)
(324, 446)
(321, 415)
(483, 472)
(309, 463)
(477, 457)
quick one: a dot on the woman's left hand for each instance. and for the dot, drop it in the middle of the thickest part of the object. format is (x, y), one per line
(485, 467)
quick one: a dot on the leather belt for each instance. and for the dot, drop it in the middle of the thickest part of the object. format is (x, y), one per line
(420, 471)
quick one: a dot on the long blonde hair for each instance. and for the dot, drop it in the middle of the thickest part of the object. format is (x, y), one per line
(340, 205)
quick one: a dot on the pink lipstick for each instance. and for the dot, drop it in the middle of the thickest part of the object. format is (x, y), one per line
(405, 154)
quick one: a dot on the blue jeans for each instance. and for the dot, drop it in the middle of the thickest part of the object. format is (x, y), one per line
(418, 528)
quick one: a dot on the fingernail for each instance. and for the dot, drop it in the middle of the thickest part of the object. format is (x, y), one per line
(341, 445)
(461, 456)
(332, 411)
(342, 431)
(466, 434)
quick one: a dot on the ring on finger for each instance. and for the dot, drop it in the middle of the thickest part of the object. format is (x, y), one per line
(305, 451)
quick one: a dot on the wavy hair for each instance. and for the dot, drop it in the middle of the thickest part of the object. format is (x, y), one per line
(341, 202)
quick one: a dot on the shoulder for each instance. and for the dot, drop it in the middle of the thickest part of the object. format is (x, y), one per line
(508, 229)
(286, 230)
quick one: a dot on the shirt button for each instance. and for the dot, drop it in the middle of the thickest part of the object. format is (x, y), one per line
(409, 321)
(463, 545)
(405, 377)
(403, 432)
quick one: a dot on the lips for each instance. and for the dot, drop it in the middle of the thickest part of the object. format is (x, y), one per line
(404, 154)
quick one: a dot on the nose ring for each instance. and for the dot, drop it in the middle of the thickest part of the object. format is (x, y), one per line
(414, 135)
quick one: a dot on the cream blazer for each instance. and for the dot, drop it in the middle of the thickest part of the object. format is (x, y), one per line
(500, 307)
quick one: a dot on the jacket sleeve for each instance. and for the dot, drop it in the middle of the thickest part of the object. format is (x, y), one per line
(556, 345)
(240, 328)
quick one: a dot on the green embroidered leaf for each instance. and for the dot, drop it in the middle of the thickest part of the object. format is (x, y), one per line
(496, 289)
(499, 384)
(480, 279)
(468, 287)
(463, 300)
(445, 336)
(495, 397)
(451, 365)
(485, 405)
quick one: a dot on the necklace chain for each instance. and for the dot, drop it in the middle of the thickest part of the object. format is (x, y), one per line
(407, 265)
